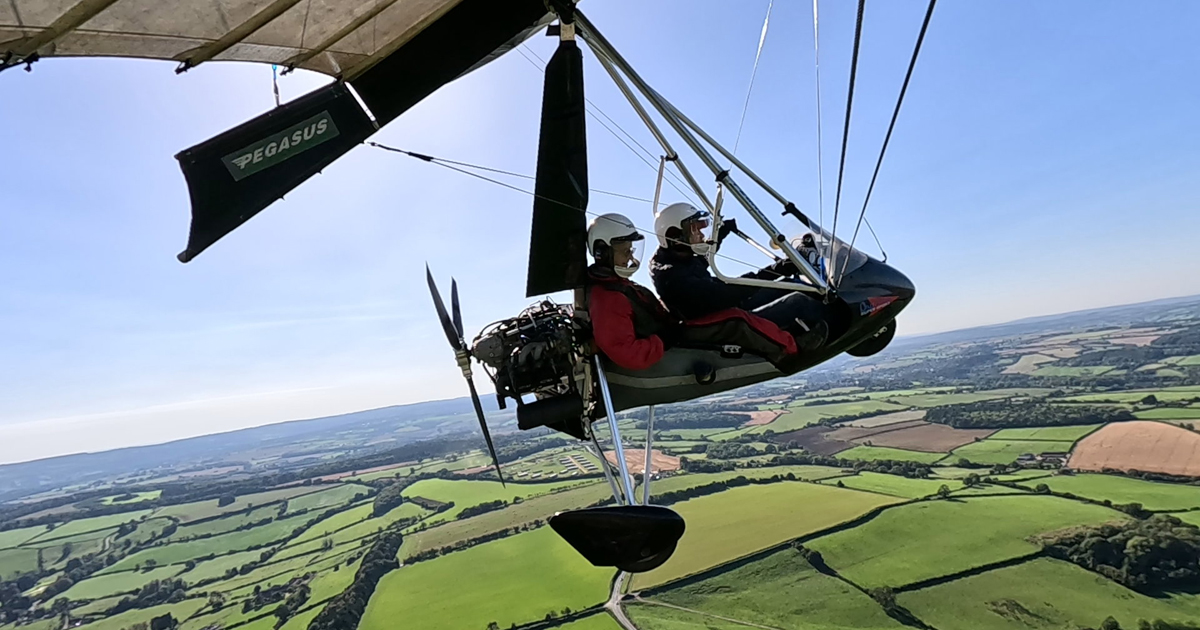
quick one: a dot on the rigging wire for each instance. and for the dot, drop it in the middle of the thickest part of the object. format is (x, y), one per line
(430, 158)
(762, 38)
(592, 109)
(849, 107)
(820, 159)
(461, 167)
(895, 114)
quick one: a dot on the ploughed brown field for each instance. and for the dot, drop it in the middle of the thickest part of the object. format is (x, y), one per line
(855, 434)
(759, 418)
(931, 438)
(815, 440)
(635, 458)
(1139, 445)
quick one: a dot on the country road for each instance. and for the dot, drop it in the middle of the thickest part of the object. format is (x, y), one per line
(614, 602)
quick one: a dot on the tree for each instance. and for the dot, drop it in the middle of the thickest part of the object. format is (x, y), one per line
(1042, 488)
(164, 622)
(944, 492)
(226, 499)
(971, 480)
(1110, 623)
(493, 626)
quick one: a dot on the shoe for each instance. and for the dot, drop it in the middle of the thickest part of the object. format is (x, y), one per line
(813, 338)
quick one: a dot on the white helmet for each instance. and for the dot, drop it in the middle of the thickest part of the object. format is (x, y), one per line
(607, 237)
(681, 216)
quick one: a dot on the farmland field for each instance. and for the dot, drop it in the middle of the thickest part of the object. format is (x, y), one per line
(1072, 433)
(648, 616)
(1006, 451)
(738, 522)
(466, 493)
(872, 453)
(894, 485)
(325, 499)
(781, 591)
(941, 400)
(1053, 370)
(1169, 413)
(87, 525)
(802, 416)
(14, 537)
(933, 438)
(14, 562)
(114, 583)
(887, 418)
(915, 542)
(1052, 594)
(513, 580)
(182, 610)
(137, 497)
(1142, 445)
(1151, 494)
(224, 524)
(204, 509)
(598, 621)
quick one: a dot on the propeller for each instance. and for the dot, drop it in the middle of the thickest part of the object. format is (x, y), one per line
(452, 325)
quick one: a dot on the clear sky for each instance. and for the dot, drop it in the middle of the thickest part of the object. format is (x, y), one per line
(1045, 161)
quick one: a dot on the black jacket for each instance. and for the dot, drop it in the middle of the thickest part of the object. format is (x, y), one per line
(687, 287)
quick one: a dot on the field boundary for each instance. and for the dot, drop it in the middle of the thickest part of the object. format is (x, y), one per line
(971, 572)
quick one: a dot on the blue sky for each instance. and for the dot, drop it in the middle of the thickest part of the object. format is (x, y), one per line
(1044, 162)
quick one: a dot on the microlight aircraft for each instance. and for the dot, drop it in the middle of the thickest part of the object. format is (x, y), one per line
(388, 55)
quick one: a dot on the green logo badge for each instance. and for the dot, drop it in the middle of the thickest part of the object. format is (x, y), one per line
(275, 149)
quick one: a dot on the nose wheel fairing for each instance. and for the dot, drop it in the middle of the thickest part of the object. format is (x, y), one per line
(633, 538)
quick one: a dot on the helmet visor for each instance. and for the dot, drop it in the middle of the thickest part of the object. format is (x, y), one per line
(696, 228)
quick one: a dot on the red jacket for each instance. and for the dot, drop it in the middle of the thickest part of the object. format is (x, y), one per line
(626, 337)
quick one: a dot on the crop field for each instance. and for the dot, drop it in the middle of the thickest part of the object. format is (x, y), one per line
(1169, 413)
(781, 591)
(872, 453)
(932, 438)
(649, 616)
(1152, 495)
(1088, 370)
(182, 610)
(691, 480)
(236, 541)
(1046, 433)
(1006, 451)
(800, 417)
(87, 525)
(1189, 517)
(894, 485)
(466, 493)
(528, 511)
(1140, 445)
(215, 568)
(341, 520)
(204, 509)
(14, 562)
(887, 418)
(1028, 363)
(598, 621)
(1041, 594)
(137, 498)
(924, 540)
(814, 439)
(224, 524)
(738, 522)
(513, 580)
(113, 583)
(1163, 394)
(325, 499)
(14, 537)
(959, 398)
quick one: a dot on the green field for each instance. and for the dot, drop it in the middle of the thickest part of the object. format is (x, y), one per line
(187, 512)
(781, 591)
(738, 522)
(924, 540)
(894, 485)
(466, 493)
(88, 525)
(528, 511)
(598, 621)
(513, 580)
(961, 398)
(648, 616)
(215, 568)
(224, 524)
(1089, 370)
(325, 499)
(217, 545)
(1045, 433)
(691, 480)
(991, 451)
(1189, 517)
(342, 520)
(1163, 394)
(799, 417)
(873, 453)
(14, 562)
(1169, 413)
(114, 583)
(1151, 494)
(180, 611)
(14, 537)
(1042, 594)
(147, 529)
(137, 498)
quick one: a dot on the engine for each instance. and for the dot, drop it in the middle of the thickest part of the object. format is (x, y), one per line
(532, 353)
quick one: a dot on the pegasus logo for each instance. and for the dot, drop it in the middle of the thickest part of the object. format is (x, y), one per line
(281, 146)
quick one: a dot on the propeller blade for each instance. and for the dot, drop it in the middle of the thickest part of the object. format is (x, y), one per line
(443, 316)
(454, 309)
(487, 436)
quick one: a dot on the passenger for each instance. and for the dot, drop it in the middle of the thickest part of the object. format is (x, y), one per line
(808, 249)
(632, 327)
(682, 278)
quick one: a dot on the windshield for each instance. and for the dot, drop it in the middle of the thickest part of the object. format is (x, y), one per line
(833, 261)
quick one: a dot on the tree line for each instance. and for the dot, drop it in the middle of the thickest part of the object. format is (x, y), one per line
(1152, 555)
(1002, 414)
(344, 611)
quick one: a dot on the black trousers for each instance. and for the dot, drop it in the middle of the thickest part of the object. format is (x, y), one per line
(785, 307)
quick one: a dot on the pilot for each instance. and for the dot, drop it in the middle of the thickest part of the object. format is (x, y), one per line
(633, 328)
(681, 276)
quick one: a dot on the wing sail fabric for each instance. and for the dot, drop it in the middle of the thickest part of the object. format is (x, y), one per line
(237, 174)
(557, 247)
